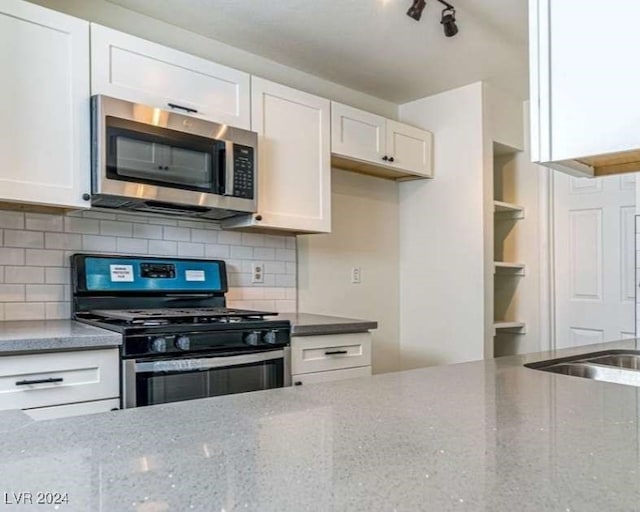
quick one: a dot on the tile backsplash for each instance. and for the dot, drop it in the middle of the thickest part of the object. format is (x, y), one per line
(35, 250)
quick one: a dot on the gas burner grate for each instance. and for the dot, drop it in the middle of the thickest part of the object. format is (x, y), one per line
(182, 315)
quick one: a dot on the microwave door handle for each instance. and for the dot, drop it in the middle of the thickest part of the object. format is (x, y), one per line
(228, 169)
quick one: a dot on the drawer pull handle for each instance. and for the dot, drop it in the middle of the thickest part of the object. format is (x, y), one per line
(39, 381)
(336, 352)
(180, 107)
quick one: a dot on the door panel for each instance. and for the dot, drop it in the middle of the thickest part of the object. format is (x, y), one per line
(357, 134)
(594, 246)
(410, 147)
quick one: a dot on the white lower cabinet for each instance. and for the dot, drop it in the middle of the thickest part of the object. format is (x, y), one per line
(68, 410)
(330, 357)
(53, 379)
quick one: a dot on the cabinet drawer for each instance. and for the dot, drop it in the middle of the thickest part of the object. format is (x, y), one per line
(332, 352)
(53, 378)
(130, 68)
(66, 411)
(333, 375)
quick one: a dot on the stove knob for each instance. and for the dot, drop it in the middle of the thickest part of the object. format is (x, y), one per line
(159, 345)
(252, 338)
(270, 337)
(183, 342)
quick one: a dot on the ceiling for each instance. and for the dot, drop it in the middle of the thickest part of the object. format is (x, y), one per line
(368, 45)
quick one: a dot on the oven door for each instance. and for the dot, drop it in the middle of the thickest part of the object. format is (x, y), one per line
(163, 381)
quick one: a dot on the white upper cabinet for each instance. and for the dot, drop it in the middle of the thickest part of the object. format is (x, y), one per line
(370, 144)
(409, 148)
(44, 106)
(357, 134)
(130, 68)
(294, 169)
(584, 87)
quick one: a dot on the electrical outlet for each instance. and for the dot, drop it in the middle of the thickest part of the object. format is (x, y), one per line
(257, 273)
(356, 275)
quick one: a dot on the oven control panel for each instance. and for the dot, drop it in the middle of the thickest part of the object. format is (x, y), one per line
(243, 171)
(263, 337)
(158, 270)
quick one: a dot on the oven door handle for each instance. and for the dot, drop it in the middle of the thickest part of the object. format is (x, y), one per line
(185, 365)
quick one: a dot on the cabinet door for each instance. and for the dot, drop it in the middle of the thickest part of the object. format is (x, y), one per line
(330, 352)
(409, 148)
(357, 134)
(44, 106)
(294, 172)
(137, 70)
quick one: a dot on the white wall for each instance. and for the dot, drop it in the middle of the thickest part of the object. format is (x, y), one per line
(119, 18)
(441, 235)
(365, 235)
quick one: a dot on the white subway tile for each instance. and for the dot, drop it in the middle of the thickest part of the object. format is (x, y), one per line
(63, 241)
(24, 311)
(190, 250)
(268, 305)
(45, 257)
(217, 251)
(97, 243)
(54, 275)
(132, 217)
(23, 238)
(57, 310)
(234, 293)
(285, 255)
(162, 221)
(178, 234)
(11, 256)
(291, 242)
(195, 224)
(241, 304)
(163, 248)
(207, 236)
(264, 253)
(285, 280)
(115, 228)
(81, 225)
(291, 293)
(275, 293)
(229, 238)
(24, 275)
(11, 219)
(252, 239)
(132, 245)
(12, 293)
(291, 268)
(98, 214)
(1, 275)
(241, 252)
(45, 293)
(253, 293)
(44, 222)
(277, 242)
(147, 231)
(267, 280)
(1, 311)
(285, 306)
(275, 267)
(239, 280)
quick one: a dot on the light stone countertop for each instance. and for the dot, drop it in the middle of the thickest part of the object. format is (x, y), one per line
(488, 436)
(50, 335)
(307, 324)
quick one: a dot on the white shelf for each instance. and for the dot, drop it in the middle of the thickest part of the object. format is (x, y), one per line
(508, 210)
(503, 267)
(513, 327)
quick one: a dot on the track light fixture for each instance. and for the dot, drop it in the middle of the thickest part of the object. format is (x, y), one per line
(447, 20)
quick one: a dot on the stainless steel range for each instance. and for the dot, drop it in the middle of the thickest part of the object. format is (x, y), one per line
(180, 341)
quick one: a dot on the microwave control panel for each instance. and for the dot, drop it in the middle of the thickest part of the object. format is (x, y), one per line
(243, 171)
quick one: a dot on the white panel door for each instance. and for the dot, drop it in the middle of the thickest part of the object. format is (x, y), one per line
(409, 148)
(44, 106)
(137, 70)
(357, 134)
(594, 249)
(294, 172)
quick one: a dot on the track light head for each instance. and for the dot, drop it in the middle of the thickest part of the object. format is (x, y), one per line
(448, 19)
(448, 22)
(415, 11)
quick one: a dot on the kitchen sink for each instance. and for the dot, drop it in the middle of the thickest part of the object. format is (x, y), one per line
(617, 366)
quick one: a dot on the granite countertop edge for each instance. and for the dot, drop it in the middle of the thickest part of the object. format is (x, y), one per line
(310, 324)
(53, 335)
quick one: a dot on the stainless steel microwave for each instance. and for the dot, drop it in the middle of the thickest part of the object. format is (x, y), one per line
(153, 160)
